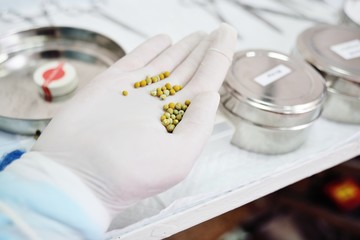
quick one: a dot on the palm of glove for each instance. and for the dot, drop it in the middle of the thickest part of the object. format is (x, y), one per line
(117, 143)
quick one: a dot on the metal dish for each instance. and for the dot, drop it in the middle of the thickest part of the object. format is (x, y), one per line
(274, 117)
(342, 75)
(22, 109)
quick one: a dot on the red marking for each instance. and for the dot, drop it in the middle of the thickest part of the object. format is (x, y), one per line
(49, 76)
(53, 74)
(47, 93)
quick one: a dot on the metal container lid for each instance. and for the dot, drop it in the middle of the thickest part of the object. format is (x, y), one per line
(271, 89)
(332, 49)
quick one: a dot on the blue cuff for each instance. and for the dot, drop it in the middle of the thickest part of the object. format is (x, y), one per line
(45, 208)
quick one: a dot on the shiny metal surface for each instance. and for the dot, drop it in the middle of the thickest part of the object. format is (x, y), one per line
(265, 139)
(342, 76)
(292, 100)
(268, 115)
(314, 46)
(343, 102)
(22, 109)
(268, 140)
(342, 108)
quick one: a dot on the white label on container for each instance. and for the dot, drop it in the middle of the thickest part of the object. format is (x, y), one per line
(347, 50)
(272, 75)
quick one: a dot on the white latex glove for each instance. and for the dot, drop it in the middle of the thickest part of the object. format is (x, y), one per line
(116, 144)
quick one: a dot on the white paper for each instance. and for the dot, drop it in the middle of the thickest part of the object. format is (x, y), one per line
(347, 50)
(272, 75)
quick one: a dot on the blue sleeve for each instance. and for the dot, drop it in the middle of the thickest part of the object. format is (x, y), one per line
(31, 208)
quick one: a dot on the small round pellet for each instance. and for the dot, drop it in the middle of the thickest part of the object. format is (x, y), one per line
(176, 88)
(163, 88)
(172, 116)
(167, 92)
(148, 81)
(170, 110)
(176, 112)
(172, 105)
(137, 85)
(165, 122)
(163, 117)
(168, 86)
(163, 97)
(175, 122)
(154, 79)
(165, 107)
(166, 74)
(143, 83)
(153, 93)
(167, 115)
(187, 102)
(172, 91)
(184, 107)
(159, 93)
(170, 127)
(179, 117)
(170, 120)
(181, 112)
(161, 76)
(178, 106)
(125, 93)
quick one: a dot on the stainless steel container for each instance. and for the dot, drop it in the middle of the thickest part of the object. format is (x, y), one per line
(351, 12)
(272, 99)
(22, 109)
(335, 52)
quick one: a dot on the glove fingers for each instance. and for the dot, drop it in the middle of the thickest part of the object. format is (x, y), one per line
(217, 60)
(173, 56)
(144, 53)
(185, 71)
(198, 121)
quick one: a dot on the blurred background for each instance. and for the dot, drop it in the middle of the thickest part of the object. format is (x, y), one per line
(270, 24)
(324, 206)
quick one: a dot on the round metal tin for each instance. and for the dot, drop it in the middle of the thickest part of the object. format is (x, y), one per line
(289, 100)
(22, 109)
(335, 52)
(273, 99)
(316, 45)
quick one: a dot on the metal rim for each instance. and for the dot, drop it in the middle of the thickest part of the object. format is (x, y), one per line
(312, 55)
(103, 53)
(266, 106)
(294, 128)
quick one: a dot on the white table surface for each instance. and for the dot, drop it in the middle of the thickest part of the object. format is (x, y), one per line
(225, 177)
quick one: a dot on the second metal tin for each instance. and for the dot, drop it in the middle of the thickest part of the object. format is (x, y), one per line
(335, 52)
(272, 99)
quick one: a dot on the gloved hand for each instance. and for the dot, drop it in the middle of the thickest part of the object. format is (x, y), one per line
(116, 144)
